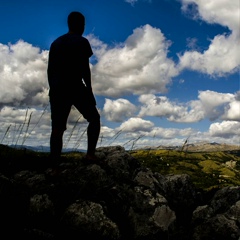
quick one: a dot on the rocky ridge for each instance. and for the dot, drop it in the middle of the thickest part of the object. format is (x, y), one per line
(200, 147)
(116, 200)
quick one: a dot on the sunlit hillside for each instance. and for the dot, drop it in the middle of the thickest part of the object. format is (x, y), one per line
(207, 169)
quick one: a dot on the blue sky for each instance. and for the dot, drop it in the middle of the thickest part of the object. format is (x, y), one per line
(162, 71)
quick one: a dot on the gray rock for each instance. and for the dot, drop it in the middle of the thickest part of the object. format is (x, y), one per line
(85, 218)
(219, 219)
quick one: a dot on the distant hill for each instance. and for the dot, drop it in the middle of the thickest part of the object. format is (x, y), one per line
(200, 147)
(45, 149)
(193, 147)
(211, 147)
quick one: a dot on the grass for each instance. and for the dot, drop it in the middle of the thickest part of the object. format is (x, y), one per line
(207, 169)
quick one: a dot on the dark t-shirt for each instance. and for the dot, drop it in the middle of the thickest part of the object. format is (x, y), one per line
(67, 57)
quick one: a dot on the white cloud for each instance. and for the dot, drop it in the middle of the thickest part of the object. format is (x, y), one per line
(223, 54)
(173, 111)
(225, 129)
(23, 76)
(222, 12)
(160, 107)
(169, 133)
(213, 103)
(118, 110)
(136, 125)
(140, 65)
(224, 106)
(10, 115)
(75, 117)
(221, 57)
(107, 132)
(232, 111)
(99, 47)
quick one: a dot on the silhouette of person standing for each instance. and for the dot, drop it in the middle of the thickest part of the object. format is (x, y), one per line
(69, 79)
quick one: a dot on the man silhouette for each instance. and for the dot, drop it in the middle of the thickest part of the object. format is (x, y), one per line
(69, 79)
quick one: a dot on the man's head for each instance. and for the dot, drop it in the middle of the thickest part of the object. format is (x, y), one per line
(76, 22)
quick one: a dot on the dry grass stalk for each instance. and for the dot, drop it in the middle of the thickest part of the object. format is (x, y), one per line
(135, 141)
(115, 136)
(44, 110)
(71, 134)
(22, 127)
(77, 145)
(6, 133)
(26, 132)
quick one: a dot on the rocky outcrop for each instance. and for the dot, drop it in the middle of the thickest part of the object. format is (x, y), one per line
(116, 200)
(220, 218)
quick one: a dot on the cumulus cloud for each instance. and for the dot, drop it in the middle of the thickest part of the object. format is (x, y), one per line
(99, 47)
(118, 110)
(222, 56)
(225, 129)
(23, 77)
(139, 65)
(169, 133)
(222, 12)
(224, 106)
(11, 115)
(136, 125)
(161, 106)
(232, 110)
(107, 132)
(214, 103)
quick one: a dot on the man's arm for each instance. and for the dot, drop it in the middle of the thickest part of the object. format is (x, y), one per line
(54, 66)
(86, 74)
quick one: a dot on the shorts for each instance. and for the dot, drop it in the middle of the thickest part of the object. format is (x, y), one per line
(82, 99)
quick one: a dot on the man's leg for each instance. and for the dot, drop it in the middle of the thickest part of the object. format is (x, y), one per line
(60, 109)
(90, 113)
(56, 144)
(93, 135)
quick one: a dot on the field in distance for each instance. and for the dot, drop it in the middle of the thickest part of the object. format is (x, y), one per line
(208, 168)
